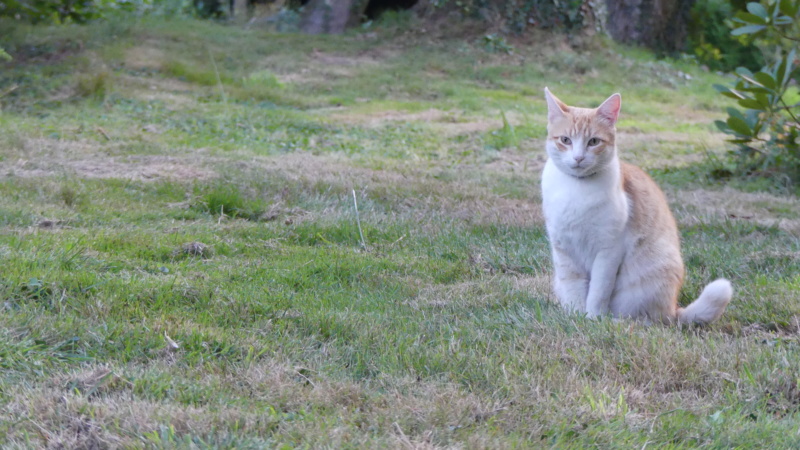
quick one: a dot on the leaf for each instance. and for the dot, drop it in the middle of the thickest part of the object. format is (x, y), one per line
(757, 9)
(733, 94)
(728, 92)
(763, 100)
(750, 79)
(789, 7)
(752, 121)
(766, 80)
(749, 29)
(751, 104)
(772, 9)
(756, 89)
(743, 17)
(733, 112)
(723, 127)
(783, 20)
(744, 71)
(789, 66)
(720, 88)
(739, 126)
(780, 71)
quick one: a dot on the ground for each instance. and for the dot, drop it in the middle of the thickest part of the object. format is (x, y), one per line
(217, 237)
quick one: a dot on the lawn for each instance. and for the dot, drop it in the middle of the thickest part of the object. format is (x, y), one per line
(222, 237)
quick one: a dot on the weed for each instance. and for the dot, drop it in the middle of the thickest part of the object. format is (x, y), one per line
(191, 73)
(95, 86)
(263, 78)
(72, 195)
(506, 136)
(225, 199)
(495, 43)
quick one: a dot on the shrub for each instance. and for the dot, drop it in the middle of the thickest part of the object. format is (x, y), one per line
(711, 41)
(765, 127)
(81, 11)
(519, 15)
(57, 11)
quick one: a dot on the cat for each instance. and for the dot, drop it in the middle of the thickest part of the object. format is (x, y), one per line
(614, 241)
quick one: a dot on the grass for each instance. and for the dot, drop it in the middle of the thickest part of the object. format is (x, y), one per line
(182, 264)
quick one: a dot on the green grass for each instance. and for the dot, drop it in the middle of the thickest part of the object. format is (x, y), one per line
(191, 183)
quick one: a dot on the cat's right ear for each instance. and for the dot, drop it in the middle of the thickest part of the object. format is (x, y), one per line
(556, 109)
(610, 108)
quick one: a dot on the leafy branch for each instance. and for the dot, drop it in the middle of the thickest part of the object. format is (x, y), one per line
(765, 128)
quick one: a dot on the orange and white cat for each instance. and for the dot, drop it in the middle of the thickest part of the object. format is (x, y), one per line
(614, 240)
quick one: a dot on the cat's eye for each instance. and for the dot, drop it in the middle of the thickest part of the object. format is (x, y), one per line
(593, 142)
(565, 140)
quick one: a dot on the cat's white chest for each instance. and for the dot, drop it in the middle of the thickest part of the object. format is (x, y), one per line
(583, 216)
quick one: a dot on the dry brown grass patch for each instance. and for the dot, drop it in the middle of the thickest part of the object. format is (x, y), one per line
(460, 295)
(143, 168)
(529, 159)
(701, 205)
(42, 157)
(447, 123)
(175, 94)
(410, 188)
(145, 56)
(320, 66)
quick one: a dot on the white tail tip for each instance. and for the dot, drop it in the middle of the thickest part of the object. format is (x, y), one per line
(710, 305)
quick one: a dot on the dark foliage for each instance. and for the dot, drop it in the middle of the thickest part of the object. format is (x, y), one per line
(765, 129)
(711, 41)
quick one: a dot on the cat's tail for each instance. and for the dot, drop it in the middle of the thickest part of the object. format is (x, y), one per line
(710, 305)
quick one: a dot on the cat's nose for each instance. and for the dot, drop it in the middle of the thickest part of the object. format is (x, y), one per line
(578, 159)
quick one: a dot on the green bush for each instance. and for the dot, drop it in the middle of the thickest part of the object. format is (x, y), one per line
(210, 8)
(765, 127)
(711, 41)
(519, 15)
(57, 11)
(82, 11)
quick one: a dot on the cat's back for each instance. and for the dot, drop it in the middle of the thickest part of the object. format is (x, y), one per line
(648, 206)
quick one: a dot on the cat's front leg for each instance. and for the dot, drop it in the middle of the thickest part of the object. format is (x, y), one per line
(603, 279)
(571, 283)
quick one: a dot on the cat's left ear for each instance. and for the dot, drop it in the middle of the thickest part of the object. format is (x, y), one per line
(609, 110)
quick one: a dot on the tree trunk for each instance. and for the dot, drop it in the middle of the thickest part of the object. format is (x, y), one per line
(240, 11)
(659, 24)
(332, 16)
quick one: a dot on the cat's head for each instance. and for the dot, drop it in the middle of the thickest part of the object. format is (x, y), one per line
(580, 141)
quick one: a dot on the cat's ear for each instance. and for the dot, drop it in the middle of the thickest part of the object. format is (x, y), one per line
(556, 109)
(609, 110)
